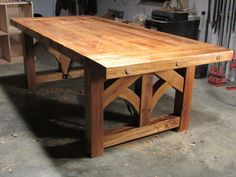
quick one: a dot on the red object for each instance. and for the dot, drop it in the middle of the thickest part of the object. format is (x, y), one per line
(231, 88)
(216, 77)
(233, 63)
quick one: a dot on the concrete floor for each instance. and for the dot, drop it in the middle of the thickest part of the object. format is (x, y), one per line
(41, 135)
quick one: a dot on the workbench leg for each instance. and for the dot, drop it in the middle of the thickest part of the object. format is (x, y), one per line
(29, 61)
(94, 88)
(183, 100)
(146, 97)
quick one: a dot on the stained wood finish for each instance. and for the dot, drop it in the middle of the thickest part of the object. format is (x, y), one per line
(159, 89)
(119, 49)
(113, 50)
(146, 97)
(94, 86)
(64, 61)
(173, 78)
(183, 100)
(129, 133)
(29, 61)
(50, 76)
(117, 88)
(131, 97)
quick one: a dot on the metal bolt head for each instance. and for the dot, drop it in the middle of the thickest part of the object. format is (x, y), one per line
(128, 70)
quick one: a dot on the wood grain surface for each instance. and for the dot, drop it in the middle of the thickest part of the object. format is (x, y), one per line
(120, 49)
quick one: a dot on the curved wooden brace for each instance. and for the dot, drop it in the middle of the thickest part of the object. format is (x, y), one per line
(63, 60)
(132, 98)
(118, 87)
(159, 91)
(173, 78)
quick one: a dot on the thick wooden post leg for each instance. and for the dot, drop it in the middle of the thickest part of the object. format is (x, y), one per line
(146, 100)
(29, 61)
(94, 87)
(183, 100)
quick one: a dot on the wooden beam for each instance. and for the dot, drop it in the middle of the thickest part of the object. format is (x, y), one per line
(50, 76)
(29, 61)
(159, 89)
(183, 100)
(63, 60)
(146, 100)
(131, 133)
(173, 78)
(94, 87)
(131, 97)
(118, 87)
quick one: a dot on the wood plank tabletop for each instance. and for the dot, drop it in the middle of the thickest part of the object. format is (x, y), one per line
(121, 49)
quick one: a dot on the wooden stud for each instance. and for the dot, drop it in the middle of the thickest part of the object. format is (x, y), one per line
(146, 100)
(29, 61)
(94, 87)
(183, 100)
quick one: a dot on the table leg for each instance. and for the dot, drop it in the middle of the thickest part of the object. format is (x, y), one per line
(146, 97)
(94, 88)
(29, 61)
(183, 100)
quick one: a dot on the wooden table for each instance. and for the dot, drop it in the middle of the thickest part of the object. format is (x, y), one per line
(124, 55)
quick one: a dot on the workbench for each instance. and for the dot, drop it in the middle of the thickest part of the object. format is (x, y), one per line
(124, 55)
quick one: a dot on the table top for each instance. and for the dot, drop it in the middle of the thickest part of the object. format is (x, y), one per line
(121, 49)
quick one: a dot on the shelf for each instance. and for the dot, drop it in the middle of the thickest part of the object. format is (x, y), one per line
(13, 30)
(2, 33)
(10, 37)
(14, 60)
(13, 2)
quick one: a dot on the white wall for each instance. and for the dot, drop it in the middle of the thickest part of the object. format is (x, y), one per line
(44, 7)
(200, 5)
